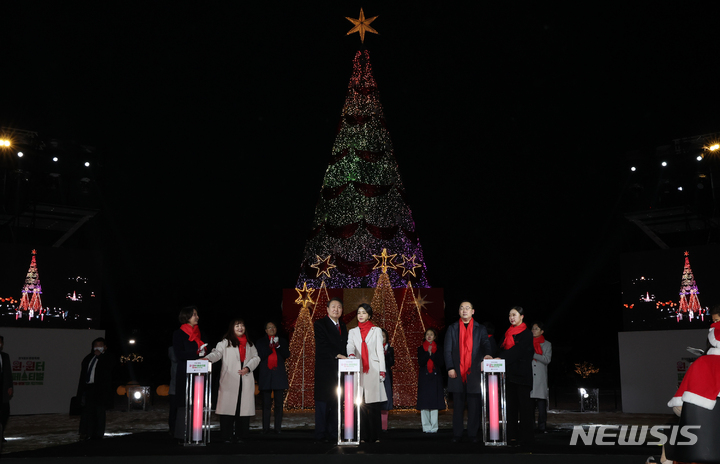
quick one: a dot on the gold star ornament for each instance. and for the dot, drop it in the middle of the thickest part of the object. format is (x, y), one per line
(305, 296)
(409, 265)
(362, 25)
(384, 261)
(323, 266)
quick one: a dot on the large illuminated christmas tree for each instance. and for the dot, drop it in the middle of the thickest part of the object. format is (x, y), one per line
(362, 208)
(689, 301)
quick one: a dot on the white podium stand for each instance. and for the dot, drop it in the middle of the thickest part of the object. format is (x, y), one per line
(350, 397)
(197, 403)
(494, 414)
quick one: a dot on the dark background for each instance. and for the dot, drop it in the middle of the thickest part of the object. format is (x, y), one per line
(213, 125)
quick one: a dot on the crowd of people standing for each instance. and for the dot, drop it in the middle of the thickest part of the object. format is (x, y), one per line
(467, 343)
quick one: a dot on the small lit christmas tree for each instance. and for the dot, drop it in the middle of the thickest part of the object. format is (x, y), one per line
(30, 300)
(301, 364)
(689, 301)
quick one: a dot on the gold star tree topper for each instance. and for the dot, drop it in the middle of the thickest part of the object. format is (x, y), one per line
(362, 25)
(305, 296)
(384, 261)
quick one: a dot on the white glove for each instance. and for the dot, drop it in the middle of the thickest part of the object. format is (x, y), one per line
(275, 340)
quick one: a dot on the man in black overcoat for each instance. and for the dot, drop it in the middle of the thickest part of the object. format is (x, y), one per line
(6, 387)
(331, 338)
(467, 390)
(94, 391)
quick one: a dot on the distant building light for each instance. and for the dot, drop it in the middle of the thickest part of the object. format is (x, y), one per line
(699, 158)
(680, 189)
(87, 164)
(20, 154)
(633, 169)
(55, 158)
(664, 163)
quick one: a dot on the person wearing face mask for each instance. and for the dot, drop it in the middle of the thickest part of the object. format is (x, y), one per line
(273, 379)
(236, 397)
(94, 391)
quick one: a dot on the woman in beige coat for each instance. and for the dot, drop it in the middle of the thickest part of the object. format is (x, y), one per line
(366, 343)
(236, 400)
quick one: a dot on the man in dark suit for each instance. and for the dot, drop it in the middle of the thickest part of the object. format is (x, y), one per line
(6, 387)
(466, 345)
(331, 338)
(94, 391)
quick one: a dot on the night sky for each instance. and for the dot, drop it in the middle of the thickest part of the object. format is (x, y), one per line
(214, 124)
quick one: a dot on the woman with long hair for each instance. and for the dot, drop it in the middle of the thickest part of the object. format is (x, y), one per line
(430, 394)
(365, 342)
(517, 351)
(541, 359)
(236, 399)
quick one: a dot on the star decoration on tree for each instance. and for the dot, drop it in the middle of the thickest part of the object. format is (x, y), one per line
(323, 266)
(305, 296)
(362, 25)
(412, 265)
(384, 261)
(420, 302)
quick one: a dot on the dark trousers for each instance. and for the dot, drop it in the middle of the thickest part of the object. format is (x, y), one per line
(272, 398)
(172, 413)
(520, 408)
(92, 417)
(542, 413)
(236, 425)
(474, 403)
(371, 421)
(326, 420)
(4, 416)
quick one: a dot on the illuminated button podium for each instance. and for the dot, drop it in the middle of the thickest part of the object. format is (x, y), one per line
(198, 403)
(494, 414)
(349, 396)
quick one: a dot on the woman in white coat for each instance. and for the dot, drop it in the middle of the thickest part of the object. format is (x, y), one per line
(365, 342)
(541, 359)
(236, 399)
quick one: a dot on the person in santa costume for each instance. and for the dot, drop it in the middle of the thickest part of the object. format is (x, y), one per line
(695, 403)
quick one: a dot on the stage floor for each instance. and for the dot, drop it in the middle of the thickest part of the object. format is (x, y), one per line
(143, 437)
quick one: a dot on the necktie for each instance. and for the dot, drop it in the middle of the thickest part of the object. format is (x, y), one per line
(90, 368)
(338, 327)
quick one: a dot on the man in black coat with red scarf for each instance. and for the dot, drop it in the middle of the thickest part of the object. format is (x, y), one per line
(331, 338)
(466, 345)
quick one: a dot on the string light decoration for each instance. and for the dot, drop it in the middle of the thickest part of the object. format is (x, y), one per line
(408, 266)
(362, 206)
(323, 266)
(30, 301)
(301, 363)
(689, 300)
(586, 369)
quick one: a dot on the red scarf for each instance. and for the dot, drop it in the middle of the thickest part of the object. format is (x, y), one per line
(364, 330)
(509, 342)
(241, 347)
(272, 359)
(430, 364)
(537, 341)
(193, 332)
(466, 347)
